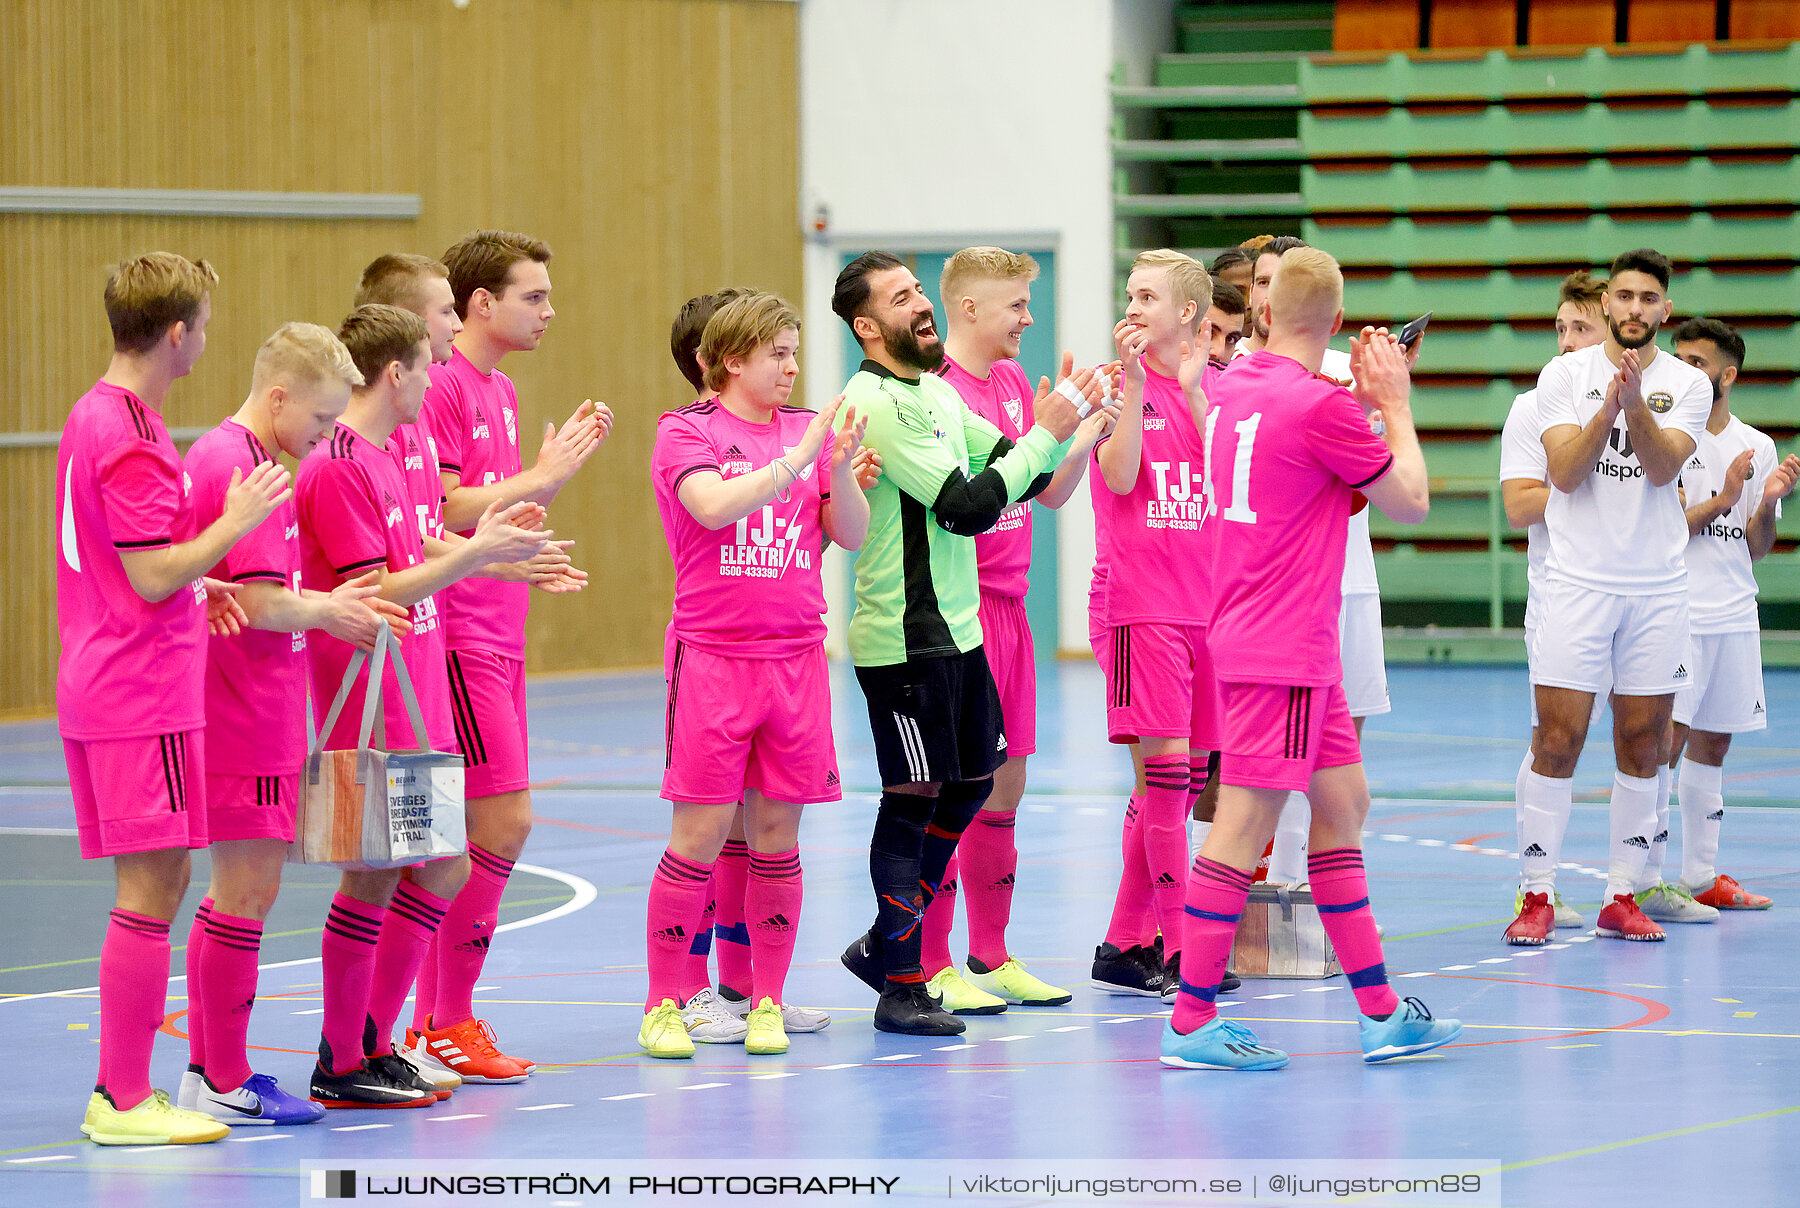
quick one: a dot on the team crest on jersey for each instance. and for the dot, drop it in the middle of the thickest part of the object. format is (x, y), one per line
(1660, 402)
(1015, 411)
(512, 424)
(480, 431)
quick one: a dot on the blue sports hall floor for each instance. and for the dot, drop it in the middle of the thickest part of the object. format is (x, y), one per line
(1590, 1072)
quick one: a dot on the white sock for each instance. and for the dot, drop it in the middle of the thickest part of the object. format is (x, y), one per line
(1702, 796)
(1199, 831)
(1659, 842)
(1633, 825)
(1287, 863)
(1544, 804)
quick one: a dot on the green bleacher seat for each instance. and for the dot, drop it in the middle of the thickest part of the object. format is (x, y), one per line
(1255, 27)
(1409, 573)
(1224, 150)
(1234, 178)
(1144, 205)
(1596, 184)
(1496, 131)
(1498, 294)
(1239, 122)
(1772, 406)
(1591, 73)
(1175, 71)
(1206, 96)
(1497, 240)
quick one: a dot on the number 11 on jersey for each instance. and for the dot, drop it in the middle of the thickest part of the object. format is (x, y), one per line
(1238, 506)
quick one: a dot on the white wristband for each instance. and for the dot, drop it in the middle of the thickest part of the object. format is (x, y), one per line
(1069, 390)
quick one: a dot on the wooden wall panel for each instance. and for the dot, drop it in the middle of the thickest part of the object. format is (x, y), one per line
(1374, 25)
(1671, 21)
(1473, 23)
(1570, 23)
(652, 143)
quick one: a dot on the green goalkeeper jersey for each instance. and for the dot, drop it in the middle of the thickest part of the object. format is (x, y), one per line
(946, 474)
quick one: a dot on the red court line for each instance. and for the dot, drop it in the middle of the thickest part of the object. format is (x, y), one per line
(539, 819)
(1473, 840)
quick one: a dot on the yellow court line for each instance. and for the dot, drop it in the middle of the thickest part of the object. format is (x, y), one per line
(1661, 1136)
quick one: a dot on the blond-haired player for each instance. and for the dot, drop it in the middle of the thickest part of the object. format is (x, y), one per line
(133, 603)
(256, 711)
(986, 293)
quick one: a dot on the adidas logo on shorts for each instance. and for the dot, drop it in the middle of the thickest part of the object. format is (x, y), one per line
(1535, 850)
(1758, 708)
(775, 922)
(831, 779)
(1638, 841)
(1001, 745)
(1681, 671)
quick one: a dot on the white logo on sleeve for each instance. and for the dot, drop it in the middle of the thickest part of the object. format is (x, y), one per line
(71, 548)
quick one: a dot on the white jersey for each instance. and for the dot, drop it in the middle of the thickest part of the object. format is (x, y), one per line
(1359, 553)
(1615, 532)
(1522, 456)
(1721, 585)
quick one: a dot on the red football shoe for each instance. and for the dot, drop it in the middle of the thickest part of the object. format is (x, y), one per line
(1620, 919)
(1537, 919)
(1726, 894)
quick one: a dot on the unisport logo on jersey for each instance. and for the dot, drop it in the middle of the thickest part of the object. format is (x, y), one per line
(1618, 440)
(1660, 402)
(766, 549)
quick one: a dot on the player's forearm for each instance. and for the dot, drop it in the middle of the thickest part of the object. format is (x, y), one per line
(157, 574)
(1573, 460)
(269, 605)
(407, 587)
(1408, 471)
(505, 572)
(719, 502)
(1525, 500)
(845, 516)
(1760, 534)
(1120, 455)
(1660, 451)
(1707, 511)
(463, 505)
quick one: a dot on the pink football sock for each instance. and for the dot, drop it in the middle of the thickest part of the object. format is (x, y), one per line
(1134, 912)
(731, 942)
(1341, 890)
(1164, 826)
(1216, 894)
(347, 954)
(990, 864)
(772, 902)
(467, 930)
(425, 987)
(677, 899)
(196, 1028)
(413, 916)
(227, 993)
(134, 988)
(940, 916)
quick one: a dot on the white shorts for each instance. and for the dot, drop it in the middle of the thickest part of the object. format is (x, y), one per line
(1724, 694)
(1600, 695)
(1583, 634)
(1365, 661)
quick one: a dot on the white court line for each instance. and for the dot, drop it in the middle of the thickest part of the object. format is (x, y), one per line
(264, 1137)
(544, 1107)
(1074, 1027)
(1269, 996)
(847, 1065)
(951, 1048)
(1324, 989)
(1124, 1019)
(464, 1116)
(359, 1127)
(1007, 1039)
(585, 893)
(703, 1086)
(137, 1149)
(633, 1095)
(1453, 968)
(1494, 960)
(55, 1157)
(314, 1011)
(897, 1057)
(768, 1077)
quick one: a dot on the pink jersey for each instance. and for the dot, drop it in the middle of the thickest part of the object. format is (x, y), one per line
(414, 450)
(1155, 568)
(1102, 500)
(355, 517)
(255, 681)
(129, 668)
(751, 589)
(1286, 449)
(474, 417)
(1003, 398)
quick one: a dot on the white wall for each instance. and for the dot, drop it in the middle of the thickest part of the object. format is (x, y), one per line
(940, 123)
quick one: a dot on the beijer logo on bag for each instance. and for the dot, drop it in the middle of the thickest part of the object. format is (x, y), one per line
(1660, 402)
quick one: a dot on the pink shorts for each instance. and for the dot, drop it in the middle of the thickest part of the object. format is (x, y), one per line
(252, 807)
(1278, 735)
(1006, 637)
(138, 794)
(1160, 684)
(736, 724)
(487, 701)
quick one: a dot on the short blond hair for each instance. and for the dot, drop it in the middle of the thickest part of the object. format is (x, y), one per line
(300, 355)
(974, 264)
(1307, 291)
(739, 328)
(378, 335)
(397, 279)
(1188, 279)
(148, 294)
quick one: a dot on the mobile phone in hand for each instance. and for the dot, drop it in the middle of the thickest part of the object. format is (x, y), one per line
(1409, 335)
